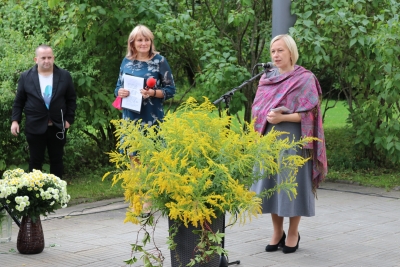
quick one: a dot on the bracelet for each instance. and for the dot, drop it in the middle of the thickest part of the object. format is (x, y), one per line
(155, 92)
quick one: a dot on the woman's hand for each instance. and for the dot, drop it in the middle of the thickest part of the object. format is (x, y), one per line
(275, 117)
(145, 93)
(123, 92)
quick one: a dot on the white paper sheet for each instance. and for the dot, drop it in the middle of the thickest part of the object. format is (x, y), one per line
(134, 85)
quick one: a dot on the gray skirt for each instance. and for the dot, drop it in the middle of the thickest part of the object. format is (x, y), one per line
(279, 203)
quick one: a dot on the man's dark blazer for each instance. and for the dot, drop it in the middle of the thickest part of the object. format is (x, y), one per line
(30, 99)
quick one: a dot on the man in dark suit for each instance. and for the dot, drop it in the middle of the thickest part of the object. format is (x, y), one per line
(47, 96)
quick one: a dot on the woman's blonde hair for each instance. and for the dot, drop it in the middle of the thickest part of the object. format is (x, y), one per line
(291, 45)
(139, 30)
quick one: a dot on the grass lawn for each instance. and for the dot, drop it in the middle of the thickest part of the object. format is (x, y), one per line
(89, 187)
(335, 117)
(376, 178)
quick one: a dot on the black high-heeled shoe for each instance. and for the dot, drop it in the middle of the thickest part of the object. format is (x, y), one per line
(287, 249)
(281, 243)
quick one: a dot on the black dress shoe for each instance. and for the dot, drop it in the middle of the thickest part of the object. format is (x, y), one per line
(287, 249)
(281, 243)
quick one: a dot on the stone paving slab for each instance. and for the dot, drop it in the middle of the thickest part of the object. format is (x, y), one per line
(353, 226)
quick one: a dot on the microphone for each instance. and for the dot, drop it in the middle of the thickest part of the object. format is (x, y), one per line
(150, 83)
(266, 65)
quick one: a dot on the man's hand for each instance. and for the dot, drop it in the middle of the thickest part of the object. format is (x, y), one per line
(15, 128)
(66, 126)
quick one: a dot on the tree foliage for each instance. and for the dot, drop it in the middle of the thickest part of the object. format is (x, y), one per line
(356, 44)
(15, 57)
(212, 47)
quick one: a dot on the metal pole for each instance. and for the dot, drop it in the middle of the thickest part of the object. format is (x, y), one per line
(282, 19)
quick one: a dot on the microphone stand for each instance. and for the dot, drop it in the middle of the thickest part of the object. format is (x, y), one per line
(223, 262)
(228, 95)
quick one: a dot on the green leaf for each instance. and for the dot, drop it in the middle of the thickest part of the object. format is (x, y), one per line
(231, 18)
(362, 29)
(318, 58)
(397, 146)
(307, 14)
(141, 9)
(388, 67)
(102, 10)
(352, 42)
(52, 3)
(130, 261)
(81, 81)
(389, 51)
(3, 164)
(389, 146)
(365, 22)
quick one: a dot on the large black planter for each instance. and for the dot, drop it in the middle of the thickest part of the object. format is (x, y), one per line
(186, 242)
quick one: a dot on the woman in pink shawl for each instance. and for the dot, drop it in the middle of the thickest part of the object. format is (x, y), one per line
(288, 99)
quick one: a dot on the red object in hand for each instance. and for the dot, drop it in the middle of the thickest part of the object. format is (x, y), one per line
(117, 103)
(150, 83)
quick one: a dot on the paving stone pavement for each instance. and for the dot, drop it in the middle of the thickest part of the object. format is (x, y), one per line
(353, 226)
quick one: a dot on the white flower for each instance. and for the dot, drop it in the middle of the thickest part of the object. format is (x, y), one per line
(16, 181)
(18, 200)
(19, 208)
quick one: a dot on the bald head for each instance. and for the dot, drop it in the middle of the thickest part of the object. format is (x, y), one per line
(44, 59)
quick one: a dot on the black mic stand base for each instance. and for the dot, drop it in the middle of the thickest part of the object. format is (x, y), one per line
(224, 263)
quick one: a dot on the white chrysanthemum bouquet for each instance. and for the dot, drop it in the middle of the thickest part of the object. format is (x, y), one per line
(32, 194)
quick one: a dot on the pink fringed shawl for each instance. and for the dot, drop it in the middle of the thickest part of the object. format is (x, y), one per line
(298, 90)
